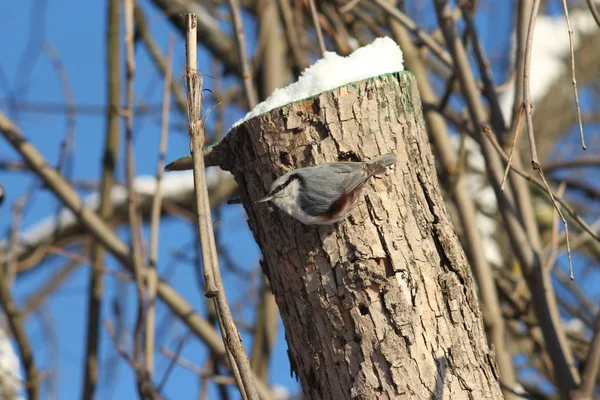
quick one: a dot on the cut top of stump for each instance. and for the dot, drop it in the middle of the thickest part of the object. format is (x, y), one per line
(383, 56)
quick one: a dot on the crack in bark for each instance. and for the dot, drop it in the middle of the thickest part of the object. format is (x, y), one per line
(389, 268)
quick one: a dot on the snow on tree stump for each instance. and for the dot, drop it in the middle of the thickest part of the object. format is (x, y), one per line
(381, 305)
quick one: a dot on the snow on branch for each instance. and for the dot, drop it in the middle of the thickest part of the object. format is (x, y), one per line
(176, 187)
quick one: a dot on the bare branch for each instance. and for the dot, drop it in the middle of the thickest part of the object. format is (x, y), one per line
(572, 48)
(105, 235)
(522, 232)
(109, 161)
(40, 294)
(134, 223)
(554, 241)
(291, 33)
(592, 6)
(541, 185)
(513, 146)
(409, 24)
(146, 389)
(210, 35)
(247, 75)
(315, 17)
(141, 26)
(214, 285)
(155, 216)
(348, 6)
(67, 142)
(15, 322)
(592, 366)
(528, 107)
(176, 358)
(527, 102)
(581, 162)
(169, 369)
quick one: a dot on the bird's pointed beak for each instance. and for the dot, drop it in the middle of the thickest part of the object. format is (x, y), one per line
(265, 199)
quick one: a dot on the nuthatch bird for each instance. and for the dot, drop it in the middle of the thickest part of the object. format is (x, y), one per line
(326, 193)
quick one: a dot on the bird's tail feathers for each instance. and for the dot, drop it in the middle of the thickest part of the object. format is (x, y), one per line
(378, 164)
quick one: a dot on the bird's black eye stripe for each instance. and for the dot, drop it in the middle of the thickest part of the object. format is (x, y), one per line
(279, 188)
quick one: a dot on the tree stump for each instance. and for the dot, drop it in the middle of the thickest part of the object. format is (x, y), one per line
(381, 305)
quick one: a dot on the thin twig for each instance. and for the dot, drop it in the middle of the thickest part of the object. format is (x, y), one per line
(572, 48)
(169, 369)
(544, 186)
(562, 217)
(369, 22)
(551, 260)
(247, 75)
(10, 269)
(592, 6)
(315, 17)
(118, 346)
(214, 284)
(145, 388)
(221, 380)
(87, 109)
(485, 70)
(211, 363)
(15, 323)
(409, 24)
(136, 239)
(155, 216)
(294, 41)
(584, 303)
(203, 391)
(57, 64)
(581, 162)
(145, 35)
(265, 331)
(39, 295)
(521, 19)
(502, 87)
(527, 102)
(79, 258)
(540, 185)
(528, 106)
(109, 161)
(197, 139)
(336, 29)
(513, 146)
(13, 166)
(489, 89)
(592, 365)
(348, 6)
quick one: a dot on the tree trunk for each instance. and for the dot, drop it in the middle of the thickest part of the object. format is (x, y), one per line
(381, 305)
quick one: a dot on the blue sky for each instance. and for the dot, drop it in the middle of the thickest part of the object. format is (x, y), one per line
(75, 29)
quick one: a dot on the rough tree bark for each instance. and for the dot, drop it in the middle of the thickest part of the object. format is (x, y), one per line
(382, 305)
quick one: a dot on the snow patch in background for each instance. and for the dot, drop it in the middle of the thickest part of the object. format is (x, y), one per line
(175, 185)
(476, 183)
(549, 49)
(10, 368)
(549, 60)
(383, 56)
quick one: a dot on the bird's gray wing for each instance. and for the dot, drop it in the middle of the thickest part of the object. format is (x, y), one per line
(372, 167)
(326, 182)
